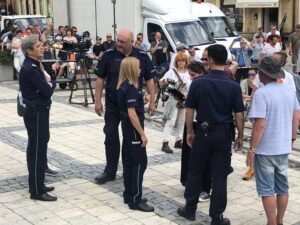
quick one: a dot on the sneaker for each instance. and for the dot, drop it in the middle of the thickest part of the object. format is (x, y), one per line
(165, 148)
(178, 144)
(249, 174)
(204, 197)
(50, 172)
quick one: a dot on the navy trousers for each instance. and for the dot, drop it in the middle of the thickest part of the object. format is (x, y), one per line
(214, 144)
(134, 161)
(36, 120)
(185, 155)
(112, 141)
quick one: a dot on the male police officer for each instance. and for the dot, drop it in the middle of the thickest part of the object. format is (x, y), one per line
(37, 88)
(108, 68)
(214, 97)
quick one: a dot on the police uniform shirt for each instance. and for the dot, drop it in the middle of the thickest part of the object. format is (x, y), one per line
(33, 85)
(215, 96)
(130, 97)
(109, 68)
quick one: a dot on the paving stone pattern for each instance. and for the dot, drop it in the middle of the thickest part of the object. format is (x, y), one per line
(76, 149)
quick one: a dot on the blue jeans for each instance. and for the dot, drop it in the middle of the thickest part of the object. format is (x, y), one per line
(271, 174)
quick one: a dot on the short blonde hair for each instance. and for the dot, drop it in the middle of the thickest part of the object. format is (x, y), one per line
(181, 56)
(129, 70)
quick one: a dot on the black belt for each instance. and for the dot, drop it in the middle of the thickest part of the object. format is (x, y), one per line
(213, 126)
(34, 105)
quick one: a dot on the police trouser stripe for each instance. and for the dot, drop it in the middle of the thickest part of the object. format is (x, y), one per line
(137, 183)
(36, 153)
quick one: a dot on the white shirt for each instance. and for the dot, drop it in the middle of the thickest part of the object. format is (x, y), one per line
(277, 33)
(268, 50)
(288, 80)
(172, 76)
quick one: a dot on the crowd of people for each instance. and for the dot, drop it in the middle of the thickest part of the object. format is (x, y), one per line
(206, 105)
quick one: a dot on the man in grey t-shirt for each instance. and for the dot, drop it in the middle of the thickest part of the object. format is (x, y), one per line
(158, 50)
(275, 113)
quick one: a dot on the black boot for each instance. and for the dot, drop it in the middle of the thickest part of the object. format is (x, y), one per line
(178, 144)
(165, 148)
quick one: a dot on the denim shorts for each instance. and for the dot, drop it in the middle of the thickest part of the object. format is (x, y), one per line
(271, 174)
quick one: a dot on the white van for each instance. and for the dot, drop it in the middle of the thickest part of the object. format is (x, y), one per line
(173, 18)
(23, 21)
(216, 23)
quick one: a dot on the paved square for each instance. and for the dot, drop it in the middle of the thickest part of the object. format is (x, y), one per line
(76, 148)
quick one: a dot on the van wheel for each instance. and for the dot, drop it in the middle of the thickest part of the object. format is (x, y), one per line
(63, 85)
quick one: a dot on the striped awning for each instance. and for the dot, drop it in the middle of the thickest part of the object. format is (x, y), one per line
(257, 3)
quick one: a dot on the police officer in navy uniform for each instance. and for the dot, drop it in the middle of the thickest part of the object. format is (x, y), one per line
(108, 69)
(215, 97)
(37, 88)
(131, 105)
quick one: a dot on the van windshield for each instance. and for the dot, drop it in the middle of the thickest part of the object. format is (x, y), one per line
(219, 26)
(24, 22)
(188, 33)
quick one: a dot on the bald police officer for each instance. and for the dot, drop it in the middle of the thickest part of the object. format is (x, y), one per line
(108, 70)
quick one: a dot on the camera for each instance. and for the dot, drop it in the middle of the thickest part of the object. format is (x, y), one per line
(257, 37)
(166, 94)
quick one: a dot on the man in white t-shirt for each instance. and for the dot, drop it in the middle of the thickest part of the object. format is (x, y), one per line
(273, 31)
(274, 113)
(288, 80)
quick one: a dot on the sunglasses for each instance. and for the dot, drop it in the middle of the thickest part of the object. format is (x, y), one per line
(108, 36)
(204, 59)
(251, 74)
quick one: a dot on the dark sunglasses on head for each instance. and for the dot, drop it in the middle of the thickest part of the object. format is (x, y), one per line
(204, 59)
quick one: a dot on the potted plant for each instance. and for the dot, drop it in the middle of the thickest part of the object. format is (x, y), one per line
(6, 65)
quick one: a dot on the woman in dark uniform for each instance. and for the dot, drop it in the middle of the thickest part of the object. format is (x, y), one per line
(37, 88)
(134, 139)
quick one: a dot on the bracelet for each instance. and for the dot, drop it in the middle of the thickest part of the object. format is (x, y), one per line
(251, 150)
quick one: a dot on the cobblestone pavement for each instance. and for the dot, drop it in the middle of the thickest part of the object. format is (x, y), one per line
(76, 149)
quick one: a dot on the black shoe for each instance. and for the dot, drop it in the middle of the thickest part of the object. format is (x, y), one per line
(50, 172)
(142, 206)
(48, 188)
(144, 200)
(178, 144)
(230, 170)
(222, 221)
(103, 178)
(182, 212)
(44, 197)
(165, 148)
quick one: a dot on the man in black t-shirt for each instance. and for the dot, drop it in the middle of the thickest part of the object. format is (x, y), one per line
(97, 48)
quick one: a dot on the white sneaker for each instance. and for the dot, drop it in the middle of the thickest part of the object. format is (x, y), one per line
(204, 197)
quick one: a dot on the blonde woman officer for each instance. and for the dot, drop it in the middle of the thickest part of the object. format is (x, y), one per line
(131, 104)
